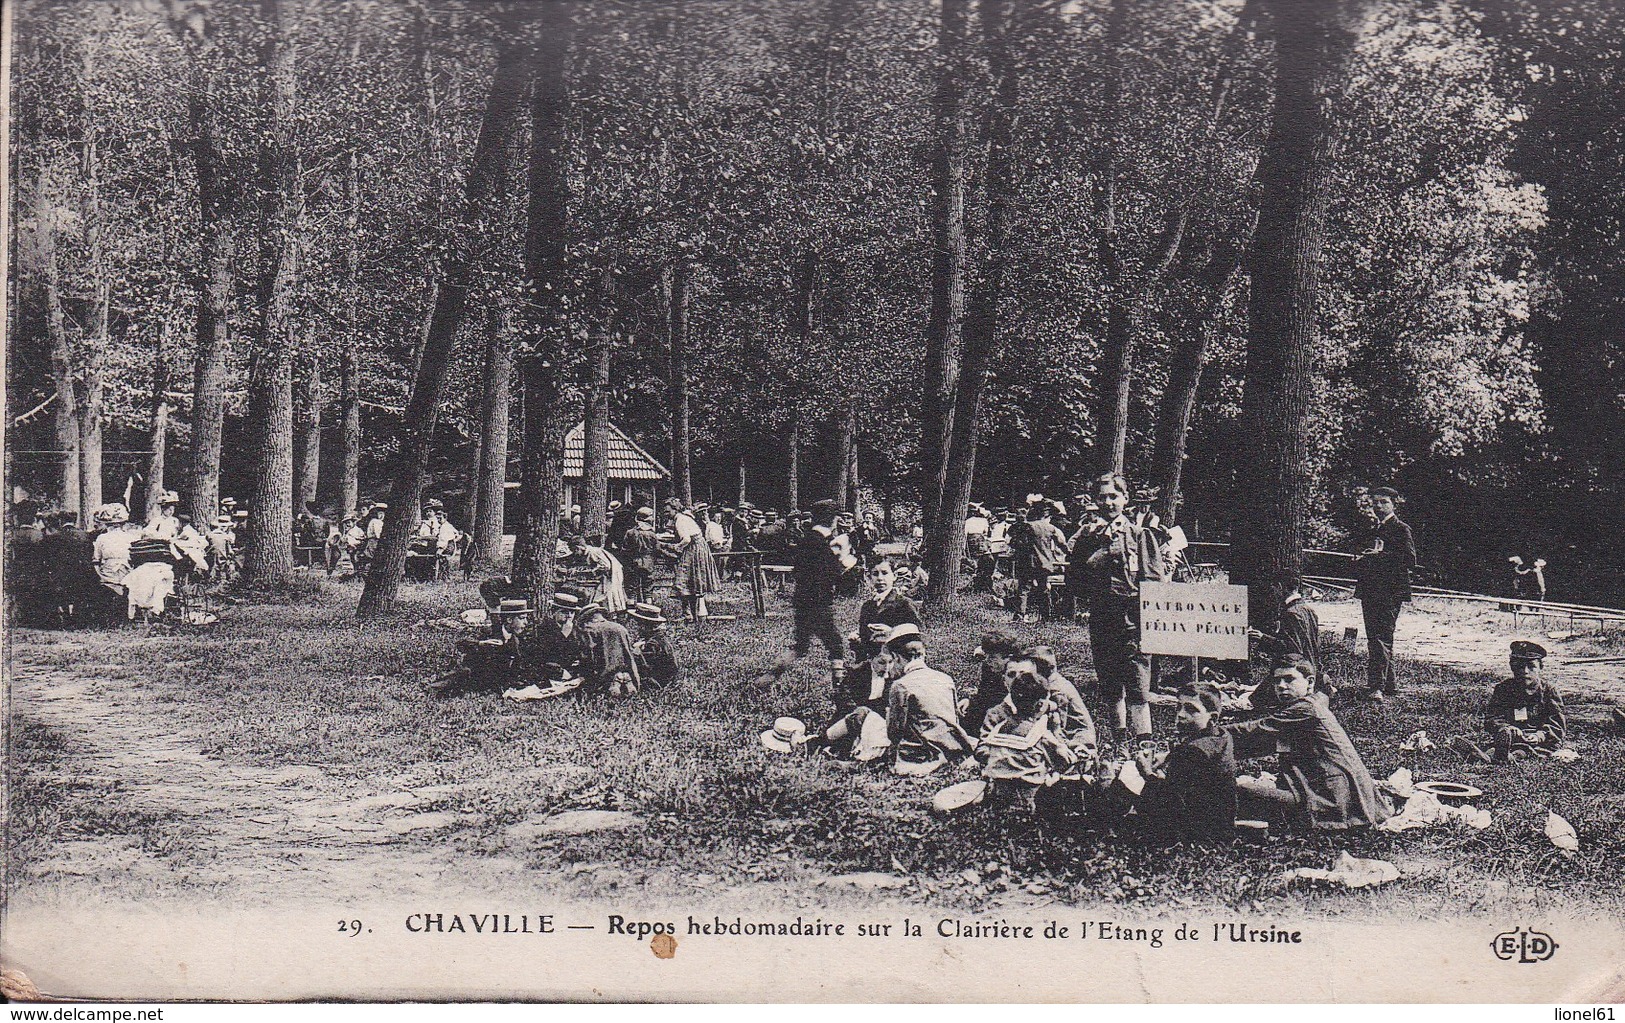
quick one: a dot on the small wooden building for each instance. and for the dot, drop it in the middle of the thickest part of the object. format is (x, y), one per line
(634, 474)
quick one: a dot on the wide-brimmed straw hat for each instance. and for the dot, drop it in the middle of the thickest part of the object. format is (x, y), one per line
(650, 613)
(112, 515)
(567, 602)
(785, 735)
(514, 606)
(169, 497)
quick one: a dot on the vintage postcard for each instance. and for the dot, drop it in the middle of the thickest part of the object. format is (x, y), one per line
(849, 500)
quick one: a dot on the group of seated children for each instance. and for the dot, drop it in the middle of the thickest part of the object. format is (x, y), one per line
(576, 643)
(1030, 733)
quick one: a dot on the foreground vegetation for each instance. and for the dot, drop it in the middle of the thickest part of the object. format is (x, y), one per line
(349, 712)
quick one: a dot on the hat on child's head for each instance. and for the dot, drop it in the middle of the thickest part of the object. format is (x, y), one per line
(434, 504)
(646, 514)
(1525, 650)
(650, 613)
(169, 497)
(902, 634)
(784, 735)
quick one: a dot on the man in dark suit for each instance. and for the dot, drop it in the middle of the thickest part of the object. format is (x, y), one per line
(817, 571)
(1382, 574)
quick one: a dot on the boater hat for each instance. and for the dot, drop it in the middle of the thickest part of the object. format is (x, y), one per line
(169, 497)
(784, 735)
(566, 601)
(516, 606)
(650, 613)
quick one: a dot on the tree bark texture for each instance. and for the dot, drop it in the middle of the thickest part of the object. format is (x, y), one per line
(268, 546)
(67, 401)
(945, 547)
(216, 250)
(945, 326)
(495, 407)
(1313, 45)
(487, 183)
(677, 379)
(792, 469)
(546, 420)
(307, 432)
(350, 347)
(846, 439)
(595, 437)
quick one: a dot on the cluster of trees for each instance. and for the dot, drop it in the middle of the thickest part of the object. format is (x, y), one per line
(1250, 251)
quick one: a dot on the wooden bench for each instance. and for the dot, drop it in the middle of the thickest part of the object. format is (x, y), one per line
(310, 557)
(777, 576)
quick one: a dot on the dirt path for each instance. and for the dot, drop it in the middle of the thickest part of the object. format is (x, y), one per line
(224, 824)
(1475, 638)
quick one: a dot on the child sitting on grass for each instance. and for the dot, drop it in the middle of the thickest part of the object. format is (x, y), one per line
(1190, 794)
(656, 660)
(1020, 753)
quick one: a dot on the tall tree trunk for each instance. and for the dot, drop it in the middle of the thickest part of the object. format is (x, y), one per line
(350, 350)
(487, 184)
(158, 436)
(1313, 45)
(944, 330)
(792, 444)
(216, 252)
(677, 378)
(1185, 377)
(1116, 355)
(740, 463)
(595, 437)
(67, 401)
(495, 407)
(268, 549)
(945, 548)
(846, 440)
(546, 418)
(91, 405)
(308, 432)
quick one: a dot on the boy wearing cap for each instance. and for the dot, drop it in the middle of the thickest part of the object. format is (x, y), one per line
(1296, 635)
(1190, 795)
(657, 661)
(1382, 585)
(1525, 713)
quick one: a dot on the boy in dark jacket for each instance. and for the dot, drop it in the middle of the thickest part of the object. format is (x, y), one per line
(1191, 795)
(656, 660)
(1525, 713)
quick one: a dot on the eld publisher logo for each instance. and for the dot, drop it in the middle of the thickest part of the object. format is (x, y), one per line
(1524, 945)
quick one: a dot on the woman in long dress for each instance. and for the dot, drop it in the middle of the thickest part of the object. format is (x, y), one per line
(696, 574)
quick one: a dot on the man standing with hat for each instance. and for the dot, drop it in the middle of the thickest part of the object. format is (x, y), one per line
(1525, 713)
(1382, 585)
(817, 572)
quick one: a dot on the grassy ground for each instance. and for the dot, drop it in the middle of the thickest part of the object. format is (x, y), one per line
(289, 749)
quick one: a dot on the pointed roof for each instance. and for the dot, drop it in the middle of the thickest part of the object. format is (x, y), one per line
(627, 461)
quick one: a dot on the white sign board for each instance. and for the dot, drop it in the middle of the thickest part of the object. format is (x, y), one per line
(1194, 620)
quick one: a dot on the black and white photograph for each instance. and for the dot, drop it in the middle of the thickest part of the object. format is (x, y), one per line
(1091, 501)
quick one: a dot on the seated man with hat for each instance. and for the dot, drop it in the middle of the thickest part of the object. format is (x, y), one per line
(656, 660)
(603, 648)
(1525, 713)
(498, 660)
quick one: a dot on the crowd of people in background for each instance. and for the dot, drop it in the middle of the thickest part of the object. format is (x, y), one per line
(1025, 727)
